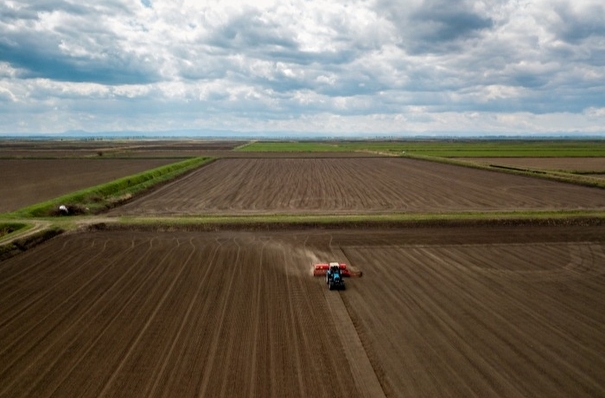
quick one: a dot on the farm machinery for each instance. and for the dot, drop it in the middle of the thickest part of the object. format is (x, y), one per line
(334, 273)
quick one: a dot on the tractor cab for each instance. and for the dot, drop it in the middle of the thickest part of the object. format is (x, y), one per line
(335, 268)
(334, 277)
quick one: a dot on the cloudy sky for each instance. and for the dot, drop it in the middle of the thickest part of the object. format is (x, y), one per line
(340, 67)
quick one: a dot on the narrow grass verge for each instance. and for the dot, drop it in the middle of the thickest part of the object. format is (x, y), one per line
(292, 146)
(101, 197)
(559, 176)
(8, 228)
(400, 220)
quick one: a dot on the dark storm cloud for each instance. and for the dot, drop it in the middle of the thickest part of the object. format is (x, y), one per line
(434, 26)
(247, 31)
(38, 53)
(32, 11)
(45, 62)
(251, 33)
(446, 20)
(574, 25)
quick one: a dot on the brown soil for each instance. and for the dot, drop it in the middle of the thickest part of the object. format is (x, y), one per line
(29, 181)
(135, 148)
(484, 311)
(574, 164)
(373, 185)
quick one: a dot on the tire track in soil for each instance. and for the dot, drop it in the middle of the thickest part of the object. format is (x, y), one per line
(371, 185)
(97, 358)
(29, 301)
(312, 334)
(294, 328)
(17, 282)
(8, 272)
(62, 336)
(535, 352)
(237, 325)
(451, 342)
(564, 272)
(436, 348)
(88, 346)
(257, 323)
(432, 320)
(158, 373)
(553, 254)
(133, 344)
(184, 367)
(56, 322)
(449, 298)
(211, 359)
(365, 376)
(536, 321)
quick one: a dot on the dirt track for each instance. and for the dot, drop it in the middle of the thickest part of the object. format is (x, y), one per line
(439, 312)
(364, 185)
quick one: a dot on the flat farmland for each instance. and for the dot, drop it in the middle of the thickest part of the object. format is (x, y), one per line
(350, 185)
(29, 181)
(221, 153)
(108, 147)
(570, 164)
(480, 311)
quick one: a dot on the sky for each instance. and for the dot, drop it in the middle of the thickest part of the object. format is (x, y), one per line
(304, 67)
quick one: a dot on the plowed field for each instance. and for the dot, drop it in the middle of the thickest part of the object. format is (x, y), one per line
(91, 148)
(439, 312)
(364, 185)
(26, 182)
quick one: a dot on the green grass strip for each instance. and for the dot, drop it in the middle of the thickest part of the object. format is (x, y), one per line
(444, 148)
(294, 146)
(8, 228)
(577, 179)
(362, 218)
(486, 148)
(101, 197)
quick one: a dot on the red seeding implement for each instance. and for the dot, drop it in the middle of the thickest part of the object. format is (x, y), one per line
(322, 269)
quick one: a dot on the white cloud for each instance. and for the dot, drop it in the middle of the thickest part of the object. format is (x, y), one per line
(361, 66)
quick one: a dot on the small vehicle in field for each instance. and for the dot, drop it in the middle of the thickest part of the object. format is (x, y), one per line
(334, 273)
(334, 278)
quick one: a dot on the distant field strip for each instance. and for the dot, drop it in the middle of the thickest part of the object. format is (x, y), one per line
(448, 148)
(567, 164)
(341, 186)
(29, 181)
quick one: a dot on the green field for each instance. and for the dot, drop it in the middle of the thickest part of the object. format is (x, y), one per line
(446, 148)
(9, 228)
(292, 146)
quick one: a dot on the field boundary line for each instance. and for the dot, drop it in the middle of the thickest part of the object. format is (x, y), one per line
(562, 177)
(364, 374)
